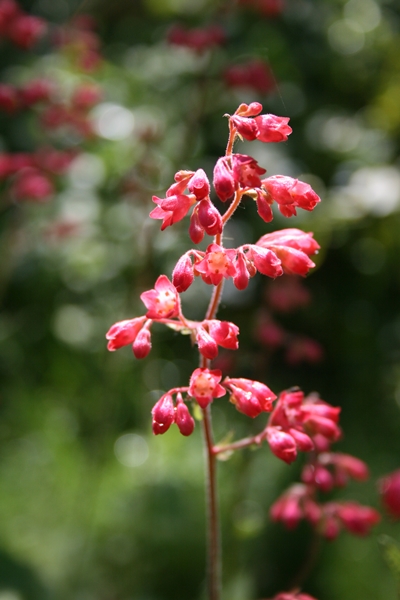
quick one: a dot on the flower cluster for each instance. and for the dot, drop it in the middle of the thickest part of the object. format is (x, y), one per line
(324, 471)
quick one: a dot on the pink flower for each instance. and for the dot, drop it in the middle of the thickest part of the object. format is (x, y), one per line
(224, 181)
(9, 10)
(246, 171)
(124, 333)
(292, 247)
(304, 349)
(272, 128)
(356, 518)
(163, 301)
(292, 238)
(264, 206)
(282, 444)
(183, 418)
(86, 95)
(208, 347)
(205, 386)
(250, 397)
(290, 193)
(142, 343)
(172, 208)
(266, 261)
(295, 504)
(163, 414)
(199, 185)
(182, 275)
(293, 596)
(216, 264)
(224, 333)
(209, 217)
(389, 487)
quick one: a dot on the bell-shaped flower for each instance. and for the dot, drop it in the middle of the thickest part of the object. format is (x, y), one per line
(124, 333)
(265, 261)
(241, 276)
(163, 414)
(296, 503)
(199, 185)
(246, 171)
(205, 386)
(250, 397)
(172, 208)
(282, 444)
(196, 231)
(224, 181)
(183, 418)
(245, 127)
(292, 238)
(272, 128)
(264, 206)
(142, 344)
(208, 347)
(209, 218)
(216, 264)
(182, 275)
(163, 301)
(288, 191)
(224, 333)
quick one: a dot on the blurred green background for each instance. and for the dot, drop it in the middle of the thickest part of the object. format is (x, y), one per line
(92, 506)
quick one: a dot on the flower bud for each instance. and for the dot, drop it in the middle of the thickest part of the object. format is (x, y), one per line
(142, 344)
(182, 275)
(209, 218)
(163, 414)
(183, 418)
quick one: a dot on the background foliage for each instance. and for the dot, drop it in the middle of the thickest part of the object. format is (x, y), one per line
(92, 506)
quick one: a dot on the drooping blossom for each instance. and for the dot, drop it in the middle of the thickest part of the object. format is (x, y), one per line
(290, 193)
(293, 247)
(26, 30)
(183, 418)
(31, 185)
(124, 333)
(250, 397)
(331, 469)
(163, 414)
(205, 386)
(389, 487)
(354, 517)
(213, 333)
(294, 504)
(163, 301)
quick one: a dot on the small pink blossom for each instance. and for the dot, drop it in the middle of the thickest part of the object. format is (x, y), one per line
(250, 397)
(290, 193)
(163, 301)
(199, 185)
(182, 275)
(142, 343)
(282, 444)
(216, 264)
(163, 414)
(272, 128)
(205, 386)
(246, 171)
(26, 30)
(197, 39)
(32, 186)
(172, 208)
(124, 333)
(35, 91)
(183, 418)
(224, 181)
(209, 217)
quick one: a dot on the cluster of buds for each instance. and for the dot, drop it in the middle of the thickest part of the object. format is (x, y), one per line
(21, 29)
(198, 39)
(324, 471)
